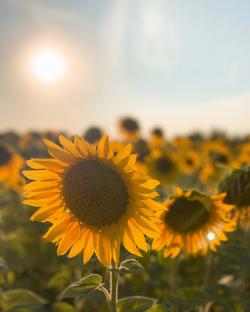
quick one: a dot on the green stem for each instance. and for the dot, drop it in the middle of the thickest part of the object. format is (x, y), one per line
(174, 270)
(113, 289)
(208, 269)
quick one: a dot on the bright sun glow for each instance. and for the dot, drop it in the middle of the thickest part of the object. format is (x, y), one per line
(48, 65)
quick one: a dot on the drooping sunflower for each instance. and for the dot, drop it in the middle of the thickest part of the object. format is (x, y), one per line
(193, 223)
(94, 200)
(237, 189)
(10, 166)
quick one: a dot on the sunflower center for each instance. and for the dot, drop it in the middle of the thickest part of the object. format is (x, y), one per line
(219, 157)
(164, 165)
(95, 193)
(5, 155)
(130, 125)
(186, 216)
(189, 162)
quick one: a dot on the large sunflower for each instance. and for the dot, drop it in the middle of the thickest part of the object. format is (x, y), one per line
(193, 223)
(94, 200)
(10, 165)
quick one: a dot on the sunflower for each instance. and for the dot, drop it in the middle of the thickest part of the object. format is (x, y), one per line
(93, 135)
(237, 189)
(193, 223)
(217, 152)
(243, 158)
(189, 161)
(157, 139)
(181, 142)
(10, 165)
(129, 128)
(162, 165)
(94, 200)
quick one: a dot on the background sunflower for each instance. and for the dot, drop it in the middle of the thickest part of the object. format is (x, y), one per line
(193, 223)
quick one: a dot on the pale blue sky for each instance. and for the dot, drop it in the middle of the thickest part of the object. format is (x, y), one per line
(179, 64)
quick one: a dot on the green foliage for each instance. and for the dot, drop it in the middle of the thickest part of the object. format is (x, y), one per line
(131, 265)
(21, 298)
(83, 287)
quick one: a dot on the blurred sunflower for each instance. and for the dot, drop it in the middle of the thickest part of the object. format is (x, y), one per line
(243, 158)
(237, 189)
(142, 150)
(189, 161)
(93, 135)
(216, 152)
(181, 142)
(163, 166)
(208, 173)
(129, 128)
(94, 200)
(193, 223)
(157, 139)
(10, 166)
(245, 149)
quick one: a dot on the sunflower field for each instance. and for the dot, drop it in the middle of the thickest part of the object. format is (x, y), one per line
(124, 222)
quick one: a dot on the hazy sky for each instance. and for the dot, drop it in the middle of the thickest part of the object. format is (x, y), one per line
(175, 63)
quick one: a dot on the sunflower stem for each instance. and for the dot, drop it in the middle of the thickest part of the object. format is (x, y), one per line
(208, 269)
(114, 274)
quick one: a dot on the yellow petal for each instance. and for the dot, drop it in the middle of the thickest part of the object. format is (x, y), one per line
(40, 175)
(129, 244)
(68, 239)
(89, 247)
(69, 146)
(78, 245)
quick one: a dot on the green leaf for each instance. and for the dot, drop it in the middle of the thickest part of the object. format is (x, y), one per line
(83, 287)
(131, 265)
(21, 298)
(135, 304)
(158, 308)
(63, 307)
(59, 280)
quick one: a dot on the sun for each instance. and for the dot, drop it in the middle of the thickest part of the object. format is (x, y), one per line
(48, 65)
